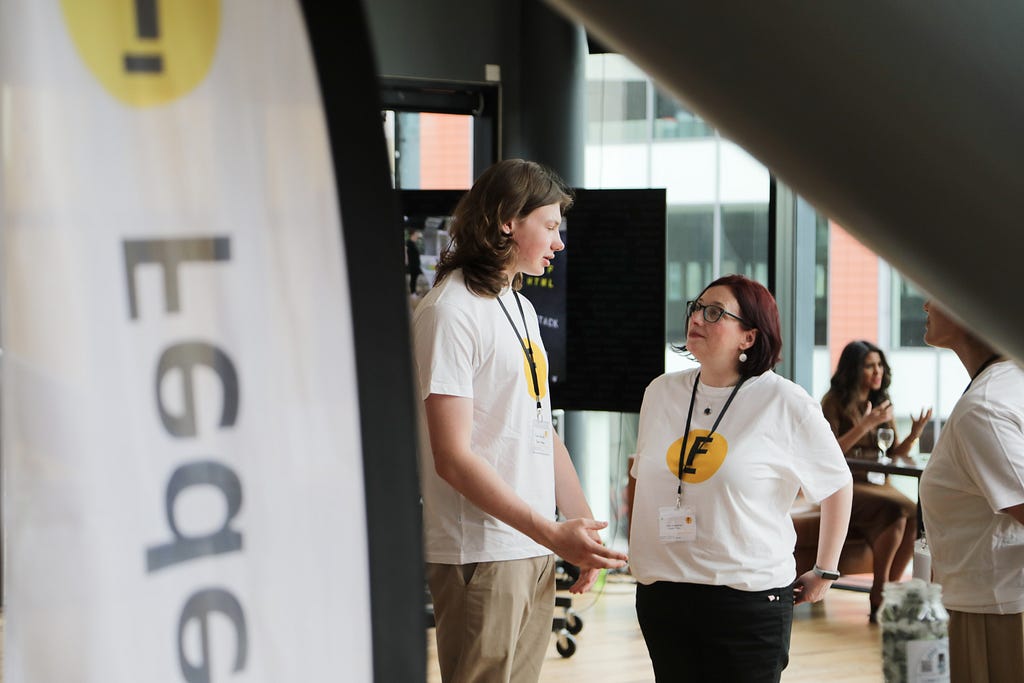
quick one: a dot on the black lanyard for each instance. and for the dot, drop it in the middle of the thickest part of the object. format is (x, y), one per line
(706, 439)
(988, 361)
(527, 347)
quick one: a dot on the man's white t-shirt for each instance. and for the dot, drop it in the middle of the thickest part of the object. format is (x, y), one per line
(465, 346)
(772, 441)
(975, 470)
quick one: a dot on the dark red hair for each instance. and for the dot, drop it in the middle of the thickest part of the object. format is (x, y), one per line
(759, 310)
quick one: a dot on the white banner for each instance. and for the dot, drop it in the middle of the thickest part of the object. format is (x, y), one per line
(183, 492)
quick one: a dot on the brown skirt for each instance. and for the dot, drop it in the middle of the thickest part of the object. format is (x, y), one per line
(876, 507)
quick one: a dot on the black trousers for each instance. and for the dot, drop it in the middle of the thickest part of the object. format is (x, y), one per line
(715, 634)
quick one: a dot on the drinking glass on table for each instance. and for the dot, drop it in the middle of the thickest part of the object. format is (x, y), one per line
(885, 438)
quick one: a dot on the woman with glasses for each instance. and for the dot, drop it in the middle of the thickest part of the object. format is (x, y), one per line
(722, 452)
(856, 406)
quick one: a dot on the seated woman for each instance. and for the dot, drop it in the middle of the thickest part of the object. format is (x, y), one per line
(856, 406)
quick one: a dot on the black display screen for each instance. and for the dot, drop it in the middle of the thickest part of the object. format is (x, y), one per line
(602, 302)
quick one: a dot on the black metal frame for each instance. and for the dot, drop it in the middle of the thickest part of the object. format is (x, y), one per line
(482, 101)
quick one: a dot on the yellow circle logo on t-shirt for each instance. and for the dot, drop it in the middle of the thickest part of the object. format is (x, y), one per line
(702, 461)
(145, 52)
(542, 371)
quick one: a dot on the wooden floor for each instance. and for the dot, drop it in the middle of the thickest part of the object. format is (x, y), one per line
(832, 641)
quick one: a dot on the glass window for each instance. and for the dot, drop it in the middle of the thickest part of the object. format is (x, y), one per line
(616, 111)
(689, 248)
(407, 150)
(745, 241)
(908, 312)
(673, 120)
(821, 280)
(638, 136)
(430, 151)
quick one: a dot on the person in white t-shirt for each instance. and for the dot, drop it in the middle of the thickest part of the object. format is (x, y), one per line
(972, 499)
(711, 539)
(493, 470)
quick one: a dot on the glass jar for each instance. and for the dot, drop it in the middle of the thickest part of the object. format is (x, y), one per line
(915, 642)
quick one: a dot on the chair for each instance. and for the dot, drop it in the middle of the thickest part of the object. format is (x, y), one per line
(856, 555)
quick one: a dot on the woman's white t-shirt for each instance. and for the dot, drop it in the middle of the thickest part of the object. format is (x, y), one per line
(772, 441)
(975, 470)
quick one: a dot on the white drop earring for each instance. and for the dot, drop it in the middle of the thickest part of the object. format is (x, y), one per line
(743, 357)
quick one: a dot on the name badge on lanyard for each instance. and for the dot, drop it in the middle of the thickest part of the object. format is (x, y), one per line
(677, 524)
(543, 438)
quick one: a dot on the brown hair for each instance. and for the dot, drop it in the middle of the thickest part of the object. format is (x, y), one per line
(508, 190)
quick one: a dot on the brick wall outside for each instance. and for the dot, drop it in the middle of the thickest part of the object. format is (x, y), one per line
(853, 292)
(446, 152)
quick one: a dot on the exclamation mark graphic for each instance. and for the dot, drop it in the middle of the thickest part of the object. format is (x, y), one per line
(147, 27)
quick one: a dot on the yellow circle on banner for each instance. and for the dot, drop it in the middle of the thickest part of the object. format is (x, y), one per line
(542, 371)
(145, 52)
(709, 456)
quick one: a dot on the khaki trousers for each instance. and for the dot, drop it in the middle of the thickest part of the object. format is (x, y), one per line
(986, 648)
(493, 619)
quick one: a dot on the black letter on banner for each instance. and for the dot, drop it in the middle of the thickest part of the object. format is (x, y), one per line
(185, 356)
(198, 607)
(184, 548)
(170, 254)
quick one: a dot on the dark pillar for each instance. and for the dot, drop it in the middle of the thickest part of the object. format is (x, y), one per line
(551, 124)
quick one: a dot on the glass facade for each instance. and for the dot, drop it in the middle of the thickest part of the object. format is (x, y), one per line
(908, 313)
(673, 120)
(689, 246)
(892, 317)
(745, 241)
(820, 280)
(717, 223)
(717, 212)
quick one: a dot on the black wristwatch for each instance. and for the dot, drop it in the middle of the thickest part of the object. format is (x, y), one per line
(826, 574)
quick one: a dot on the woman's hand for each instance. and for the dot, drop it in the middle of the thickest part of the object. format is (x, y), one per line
(919, 423)
(874, 416)
(902, 449)
(810, 587)
(865, 424)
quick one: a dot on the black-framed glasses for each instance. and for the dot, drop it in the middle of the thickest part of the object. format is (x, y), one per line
(712, 312)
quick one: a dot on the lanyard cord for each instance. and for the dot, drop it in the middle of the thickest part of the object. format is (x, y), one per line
(988, 361)
(689, 416)
(527, 346)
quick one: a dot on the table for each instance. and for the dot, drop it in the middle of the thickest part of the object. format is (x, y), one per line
(904, 466)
